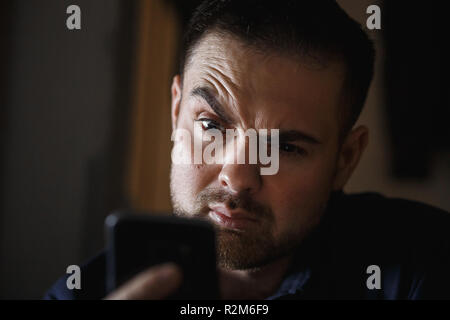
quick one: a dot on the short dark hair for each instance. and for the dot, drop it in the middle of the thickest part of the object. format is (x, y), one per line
(316, 28)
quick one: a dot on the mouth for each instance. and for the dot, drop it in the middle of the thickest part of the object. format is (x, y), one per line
(231, 219)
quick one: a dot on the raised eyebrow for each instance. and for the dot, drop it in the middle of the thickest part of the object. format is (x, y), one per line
(206, 94)
(296, 135)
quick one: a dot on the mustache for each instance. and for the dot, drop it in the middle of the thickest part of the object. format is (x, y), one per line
(243, 201)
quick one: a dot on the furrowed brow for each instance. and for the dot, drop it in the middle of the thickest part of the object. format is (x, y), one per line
(206, 94)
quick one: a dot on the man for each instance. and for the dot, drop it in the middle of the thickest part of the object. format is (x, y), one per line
(304, 68)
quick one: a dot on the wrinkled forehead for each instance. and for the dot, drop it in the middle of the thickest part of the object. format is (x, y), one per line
(221, 57)
(266, 89)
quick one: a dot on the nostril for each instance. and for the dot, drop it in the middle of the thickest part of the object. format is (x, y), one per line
(223, 180)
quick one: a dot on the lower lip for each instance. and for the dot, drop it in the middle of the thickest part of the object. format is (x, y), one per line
(231, 223)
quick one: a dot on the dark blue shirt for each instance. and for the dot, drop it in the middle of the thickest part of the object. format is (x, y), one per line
(408, 241)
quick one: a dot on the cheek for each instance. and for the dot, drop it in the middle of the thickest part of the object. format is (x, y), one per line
(187, 181)
(193, 176)
(298, 195)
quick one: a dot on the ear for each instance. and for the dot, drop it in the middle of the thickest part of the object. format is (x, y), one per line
(176, 100)
(349, 155)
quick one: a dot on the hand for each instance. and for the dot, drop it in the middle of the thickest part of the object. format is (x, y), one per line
(154, 283)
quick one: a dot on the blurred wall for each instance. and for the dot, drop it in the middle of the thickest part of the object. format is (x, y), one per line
(148, 154)
(61, 108)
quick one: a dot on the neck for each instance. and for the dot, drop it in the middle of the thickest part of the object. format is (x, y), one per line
(257, 283)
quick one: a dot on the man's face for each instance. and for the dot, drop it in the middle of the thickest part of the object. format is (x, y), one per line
(228, 85)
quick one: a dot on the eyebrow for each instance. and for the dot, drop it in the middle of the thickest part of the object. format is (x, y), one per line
(285, 136)
(295, 135)
(209, 97)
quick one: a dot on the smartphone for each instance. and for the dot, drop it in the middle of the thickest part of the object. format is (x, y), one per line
(136, 242)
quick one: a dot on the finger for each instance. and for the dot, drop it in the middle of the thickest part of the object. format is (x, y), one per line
(153, 284)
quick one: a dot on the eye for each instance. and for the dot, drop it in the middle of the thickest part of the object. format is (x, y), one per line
(208, 124)
(292, 149)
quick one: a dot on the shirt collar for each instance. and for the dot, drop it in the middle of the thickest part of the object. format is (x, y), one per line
(292, 284)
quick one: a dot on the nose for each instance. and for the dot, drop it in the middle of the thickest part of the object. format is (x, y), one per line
(237, 178)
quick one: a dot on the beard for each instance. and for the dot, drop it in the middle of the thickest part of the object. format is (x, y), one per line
(247, 249)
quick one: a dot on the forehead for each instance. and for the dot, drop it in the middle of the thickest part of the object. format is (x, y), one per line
(267, 89)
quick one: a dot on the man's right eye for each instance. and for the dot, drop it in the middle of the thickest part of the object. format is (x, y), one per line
(208, 124)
